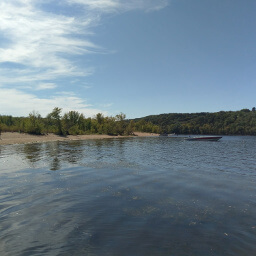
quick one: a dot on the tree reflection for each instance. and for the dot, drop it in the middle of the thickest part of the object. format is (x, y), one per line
(56, 155)
(55, 164)
(53, 154)
(99, 149)
(33, 152)
(64, 152)
(74, 151)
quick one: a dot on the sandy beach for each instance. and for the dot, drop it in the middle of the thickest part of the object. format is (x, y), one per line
(8, 138)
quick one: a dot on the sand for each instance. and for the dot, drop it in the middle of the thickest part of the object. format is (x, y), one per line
(8, 138)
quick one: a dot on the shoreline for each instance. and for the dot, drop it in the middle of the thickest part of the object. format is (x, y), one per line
(11, 138)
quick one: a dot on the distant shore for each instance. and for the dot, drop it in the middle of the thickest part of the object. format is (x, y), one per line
(9, 138)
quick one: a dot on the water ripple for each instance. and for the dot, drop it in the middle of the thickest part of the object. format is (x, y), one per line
(138, 196)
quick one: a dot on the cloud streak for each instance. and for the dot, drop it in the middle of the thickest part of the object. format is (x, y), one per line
(24, 103)
(40, 44)
(106, 6)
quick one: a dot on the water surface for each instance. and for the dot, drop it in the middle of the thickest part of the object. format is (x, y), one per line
(131, 196)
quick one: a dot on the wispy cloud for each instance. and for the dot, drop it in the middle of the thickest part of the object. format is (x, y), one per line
(23, 103)
(40, 44)
(45, 86)
(121, 5)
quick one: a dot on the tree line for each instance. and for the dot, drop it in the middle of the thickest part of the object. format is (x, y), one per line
(242, 122)
(71, 123)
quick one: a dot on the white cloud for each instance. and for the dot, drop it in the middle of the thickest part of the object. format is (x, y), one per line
(37, 47)
(21, 104)
(103, 5)
(44, 42)
(45, 86)
(38, 87)
(121, 5)
(41, 41)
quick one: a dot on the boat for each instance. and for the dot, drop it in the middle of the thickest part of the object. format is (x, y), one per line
(205, 138)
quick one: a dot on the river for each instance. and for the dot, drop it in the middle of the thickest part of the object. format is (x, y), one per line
(129, 196)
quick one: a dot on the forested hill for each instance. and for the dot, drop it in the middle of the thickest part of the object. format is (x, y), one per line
(241, 122)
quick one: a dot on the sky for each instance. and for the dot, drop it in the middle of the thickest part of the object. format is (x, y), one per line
(138, 57)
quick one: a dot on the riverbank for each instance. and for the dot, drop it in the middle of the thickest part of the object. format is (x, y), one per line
(8, 138)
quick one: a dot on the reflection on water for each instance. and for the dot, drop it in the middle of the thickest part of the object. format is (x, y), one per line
(33, 152)
(137, 196)
(232, 154)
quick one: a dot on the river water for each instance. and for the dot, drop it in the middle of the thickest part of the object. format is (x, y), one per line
(130, 196)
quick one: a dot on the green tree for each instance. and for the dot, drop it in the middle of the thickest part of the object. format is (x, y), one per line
(55, 116)
(81, 123)
(88, 125)
(71, 122)
(120, 123)
(100, 118)
(110, 126)
(130, 128)
(34, 124)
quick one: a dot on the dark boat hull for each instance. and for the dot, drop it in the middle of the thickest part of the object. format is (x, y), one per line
(209, 138)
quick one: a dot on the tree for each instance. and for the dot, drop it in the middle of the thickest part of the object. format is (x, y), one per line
(81, 123)
(100, 118)
(88, 125)
(130, 128)
(34, 125)
(55, 115)
(100, 123)
(71, 122)
(120, 123)
(110, 126)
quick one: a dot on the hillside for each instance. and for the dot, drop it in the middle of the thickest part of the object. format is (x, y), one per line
(241, 122)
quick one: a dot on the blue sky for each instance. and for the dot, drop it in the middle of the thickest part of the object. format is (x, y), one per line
(139, 57)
